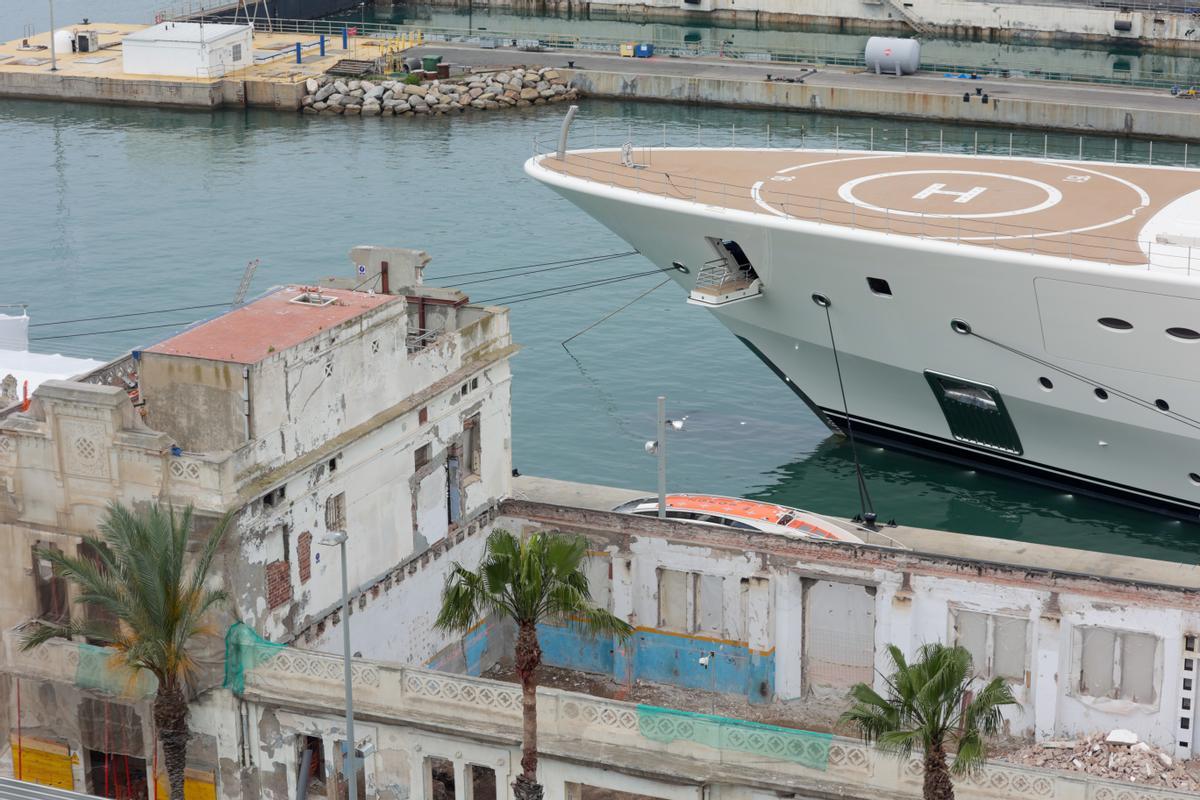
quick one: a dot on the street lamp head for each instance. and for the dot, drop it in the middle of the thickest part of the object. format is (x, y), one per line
(651, 447)
(332, 538)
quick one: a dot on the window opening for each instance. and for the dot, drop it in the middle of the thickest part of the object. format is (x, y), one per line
(1046, 383)
(1186, 334)
(879, 286)
(312, 765)
(453, 491)
(1117, 664)
(96, 614)
(1101, 394)
(422, 456)
(423, 415)
(481, 783)
(997, 643)
(52, 605)
(237, 52)
(1162, 405)
(439, 778)
(116, 775)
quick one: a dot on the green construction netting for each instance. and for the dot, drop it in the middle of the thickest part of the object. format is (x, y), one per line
(101, 669)
(245, 649)
(771, 741)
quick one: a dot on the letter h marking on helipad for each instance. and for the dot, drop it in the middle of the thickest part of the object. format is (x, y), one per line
(940, 188)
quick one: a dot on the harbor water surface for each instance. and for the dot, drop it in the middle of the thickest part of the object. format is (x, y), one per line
(116, 210)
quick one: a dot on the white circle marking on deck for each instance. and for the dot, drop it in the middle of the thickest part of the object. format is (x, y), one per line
(1053, 196)
(1144, 198)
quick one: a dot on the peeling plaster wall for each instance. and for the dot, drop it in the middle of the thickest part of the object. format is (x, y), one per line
(910, 600)
(396, 623)
(389, 519)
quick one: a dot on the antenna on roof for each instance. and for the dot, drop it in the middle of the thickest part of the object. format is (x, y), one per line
(244, 286)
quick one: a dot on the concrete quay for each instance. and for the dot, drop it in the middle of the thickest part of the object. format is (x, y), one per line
(1017, 103)
(99, 76)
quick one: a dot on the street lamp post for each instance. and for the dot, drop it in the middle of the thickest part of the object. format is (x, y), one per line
(659, 447)
(330, 539)
(53, 56)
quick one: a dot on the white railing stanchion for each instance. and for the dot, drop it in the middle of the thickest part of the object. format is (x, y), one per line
(1045, 145)
(837, 138)
(1081, 148)
(976, 143)
(1114, 150)
(872, 138)
(1150, 159)
(906, 140)
(1010, 144)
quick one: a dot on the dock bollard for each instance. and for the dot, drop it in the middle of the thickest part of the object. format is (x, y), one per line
(345, 39)
(299, 58)
(322, 45)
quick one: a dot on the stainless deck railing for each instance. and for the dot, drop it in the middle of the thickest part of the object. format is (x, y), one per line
(765, 198)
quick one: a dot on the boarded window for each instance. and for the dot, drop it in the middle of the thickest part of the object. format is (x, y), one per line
(598, 569)
(672, 599)
(998, 644)
(335, 512)
(1097, 661)
(237, 52)
(472, 447)
(710, 610)
(839, 635)
(1138, 651)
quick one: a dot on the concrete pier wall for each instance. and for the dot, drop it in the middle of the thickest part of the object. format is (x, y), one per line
(226, 92)
(879, 100)
(993, 21)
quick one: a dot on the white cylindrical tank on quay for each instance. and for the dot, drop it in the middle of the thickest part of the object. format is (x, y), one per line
(62, 41)
(885, 54)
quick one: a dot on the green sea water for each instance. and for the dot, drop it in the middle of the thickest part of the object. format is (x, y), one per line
(117, 210)
(113, 210)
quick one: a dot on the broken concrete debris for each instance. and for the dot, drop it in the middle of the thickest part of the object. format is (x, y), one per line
(1117, 755)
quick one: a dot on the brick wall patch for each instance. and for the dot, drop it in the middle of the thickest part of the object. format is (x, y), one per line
(304, 555)
(279, 583)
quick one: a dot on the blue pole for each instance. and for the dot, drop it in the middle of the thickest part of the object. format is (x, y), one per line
(345, 39)
(322, 45)
(298, 59)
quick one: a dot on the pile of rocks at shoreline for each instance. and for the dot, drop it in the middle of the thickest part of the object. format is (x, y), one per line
(484, 91)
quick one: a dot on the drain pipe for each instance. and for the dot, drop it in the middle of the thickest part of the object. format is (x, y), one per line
(566, 128)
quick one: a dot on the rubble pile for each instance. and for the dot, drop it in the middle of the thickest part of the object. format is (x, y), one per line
(482, 91)
(1117, 756)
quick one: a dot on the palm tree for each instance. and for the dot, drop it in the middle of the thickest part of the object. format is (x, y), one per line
(531, 581)
(929, 705)
(148, 607)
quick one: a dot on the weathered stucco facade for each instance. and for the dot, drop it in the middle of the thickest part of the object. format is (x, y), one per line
(381, 411)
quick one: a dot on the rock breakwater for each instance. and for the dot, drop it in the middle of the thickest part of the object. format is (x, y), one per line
(481, 91)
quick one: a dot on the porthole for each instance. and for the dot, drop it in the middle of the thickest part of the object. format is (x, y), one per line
(1113, 323)
(1183, 334)
(1101, 394)
(879, 286)
(1194, 478)
(1162, 405)
(1046, 383)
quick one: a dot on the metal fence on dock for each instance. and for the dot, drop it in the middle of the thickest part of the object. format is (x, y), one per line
(640, 145)
(558, 42)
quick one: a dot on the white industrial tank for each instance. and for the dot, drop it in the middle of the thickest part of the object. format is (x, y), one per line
(885, 54)
(62, 41)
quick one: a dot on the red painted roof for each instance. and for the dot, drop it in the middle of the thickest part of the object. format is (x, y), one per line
(249, 334)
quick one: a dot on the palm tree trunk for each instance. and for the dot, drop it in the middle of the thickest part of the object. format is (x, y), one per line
(529, 657)
(170, 718)
(938, 785)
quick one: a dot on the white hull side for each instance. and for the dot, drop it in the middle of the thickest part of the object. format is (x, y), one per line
(886, 344)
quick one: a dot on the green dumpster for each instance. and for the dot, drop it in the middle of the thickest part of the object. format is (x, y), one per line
(430, 63)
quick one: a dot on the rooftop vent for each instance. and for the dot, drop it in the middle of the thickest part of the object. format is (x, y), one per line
(313, 297)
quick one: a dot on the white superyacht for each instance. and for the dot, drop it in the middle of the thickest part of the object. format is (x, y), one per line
(1033, 316)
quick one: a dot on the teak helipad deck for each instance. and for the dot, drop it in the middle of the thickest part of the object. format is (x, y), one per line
(1122, 214)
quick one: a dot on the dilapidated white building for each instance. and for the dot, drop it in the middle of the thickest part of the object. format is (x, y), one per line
(378, 406)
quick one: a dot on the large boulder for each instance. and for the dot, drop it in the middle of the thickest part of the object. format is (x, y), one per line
(336, 98)
(340, 87)
(370, 109)
(355, 85)
(375, 92)
(311, 85)
(324, 92)
(416, 91)
(529, 94)
(366, 86)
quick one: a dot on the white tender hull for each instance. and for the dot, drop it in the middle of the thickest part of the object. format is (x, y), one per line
(1034, 316)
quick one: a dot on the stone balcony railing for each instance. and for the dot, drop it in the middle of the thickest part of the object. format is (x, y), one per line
(76, 663)
(697, 747)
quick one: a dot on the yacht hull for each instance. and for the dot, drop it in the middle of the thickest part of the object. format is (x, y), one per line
(875, 360)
